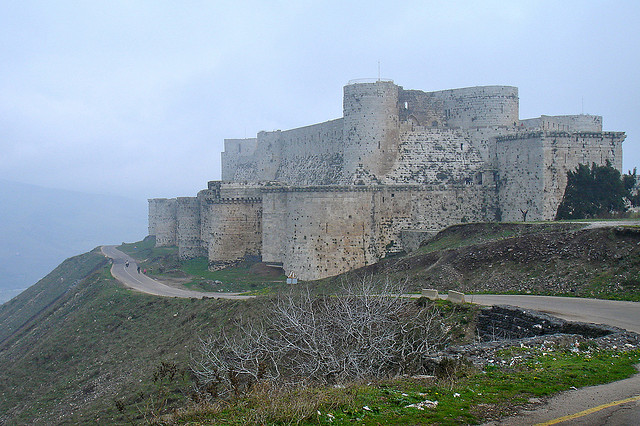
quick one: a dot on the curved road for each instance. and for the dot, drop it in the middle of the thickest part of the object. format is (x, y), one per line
(616, 403)
(139, 281)
(612, 404)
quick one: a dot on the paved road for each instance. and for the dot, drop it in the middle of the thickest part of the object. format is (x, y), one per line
(620, 314)
(613, 404)
(616, 403)
(139, 281)
(612, 312)
(611, 223)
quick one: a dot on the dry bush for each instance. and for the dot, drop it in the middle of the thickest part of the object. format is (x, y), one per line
(369, 332)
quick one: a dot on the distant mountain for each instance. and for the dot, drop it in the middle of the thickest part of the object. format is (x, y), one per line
(40, 227)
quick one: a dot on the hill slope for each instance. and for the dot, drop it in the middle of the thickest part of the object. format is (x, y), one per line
(77, 349)
(549, 259)
(31, 304)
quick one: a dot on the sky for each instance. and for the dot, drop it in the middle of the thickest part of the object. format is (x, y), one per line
(135, 97)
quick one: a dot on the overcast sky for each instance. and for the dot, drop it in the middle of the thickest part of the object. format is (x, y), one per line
(135, 97)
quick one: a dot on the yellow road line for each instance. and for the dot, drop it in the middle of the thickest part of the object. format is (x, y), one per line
(588, 411)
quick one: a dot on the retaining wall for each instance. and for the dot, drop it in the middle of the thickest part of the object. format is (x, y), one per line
(507, 322)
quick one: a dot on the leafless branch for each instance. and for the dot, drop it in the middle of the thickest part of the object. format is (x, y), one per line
(370, 331)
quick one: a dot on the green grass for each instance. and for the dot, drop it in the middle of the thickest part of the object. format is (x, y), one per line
(456, 240)
(574, 276)
(470, 399)
(98, 347)
(150, 256)
(102, 343)
(238, 278)
(630, 216)
(86, 342)
(163, 262)
(613, 285)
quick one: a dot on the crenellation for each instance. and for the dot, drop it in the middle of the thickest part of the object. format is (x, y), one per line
(569, 123)
(400, 165)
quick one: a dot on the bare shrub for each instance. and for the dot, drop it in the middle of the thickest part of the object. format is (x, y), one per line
(371, 331)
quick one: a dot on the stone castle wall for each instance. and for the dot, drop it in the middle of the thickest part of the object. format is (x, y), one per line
(371, 126)
(435, 156)
(231, 225)
(400, 164)
(533, 168)
(238, 154)
(309, 155)
(466, 108)
(565, 123)
(484, 106)
(188, 231)
(564, 151)
(324, 231)
(383, 131)
(162, 221)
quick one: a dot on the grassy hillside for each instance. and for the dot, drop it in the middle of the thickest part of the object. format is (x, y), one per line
(193, 274)
(79, 348)
(34, 302)
(97, 346)
(539, 258)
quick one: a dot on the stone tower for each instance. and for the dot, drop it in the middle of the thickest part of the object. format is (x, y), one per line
(370, 132)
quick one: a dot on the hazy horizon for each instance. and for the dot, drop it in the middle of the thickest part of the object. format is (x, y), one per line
(135, 98)
(41, 227)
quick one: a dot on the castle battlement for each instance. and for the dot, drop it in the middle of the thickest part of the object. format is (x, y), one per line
(397, 166)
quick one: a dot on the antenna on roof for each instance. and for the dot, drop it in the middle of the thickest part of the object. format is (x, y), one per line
(378, 70)
(582, 106)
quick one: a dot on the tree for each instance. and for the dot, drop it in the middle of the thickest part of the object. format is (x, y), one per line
(369, 332)
(630, 182)
(593, 192)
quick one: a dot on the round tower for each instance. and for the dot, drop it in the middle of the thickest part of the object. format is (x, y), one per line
(188, 228)
(162, 221)
(482, 106)
(370, 132)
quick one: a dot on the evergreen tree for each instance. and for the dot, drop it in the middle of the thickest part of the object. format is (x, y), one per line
(593, 192)
(630, 182)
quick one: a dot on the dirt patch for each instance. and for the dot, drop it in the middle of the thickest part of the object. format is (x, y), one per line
(171, 281)
(262, 270)
(558, 260)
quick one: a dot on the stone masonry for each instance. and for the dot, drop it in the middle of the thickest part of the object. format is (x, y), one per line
(326, 198)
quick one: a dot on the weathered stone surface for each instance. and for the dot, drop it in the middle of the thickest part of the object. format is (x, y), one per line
(399, 165)
(430, 293)
(188, 228)
(455, 296)
(163, 221)
(503, 327)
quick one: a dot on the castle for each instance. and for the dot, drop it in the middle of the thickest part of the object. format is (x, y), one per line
(398, 166)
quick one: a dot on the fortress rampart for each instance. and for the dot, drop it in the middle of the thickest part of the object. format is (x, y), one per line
(400, 164)
(324, 231)
(188, 228)
(231, 222)
(533, 167)
(163, 220)
(569, 123)
(486, 106)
